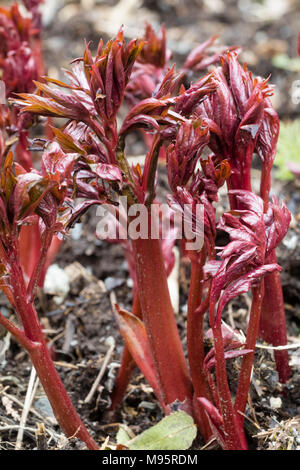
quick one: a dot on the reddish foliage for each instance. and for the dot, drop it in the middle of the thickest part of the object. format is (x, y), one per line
(87, 160)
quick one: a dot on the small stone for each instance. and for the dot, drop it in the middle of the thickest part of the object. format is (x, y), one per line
(291, 243)
(76, 232)
(42, 406)
(5, 312)
(275, 403)
(113, 282)
(147, 405)
(56, 283)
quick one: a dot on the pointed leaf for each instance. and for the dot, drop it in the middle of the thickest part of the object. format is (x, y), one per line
(66, 142)
(174, 432)
(228, 355)
(243, 285)
(122, 436)
(135, 336)
(107, 172)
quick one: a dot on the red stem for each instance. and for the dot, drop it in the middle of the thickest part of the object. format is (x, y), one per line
(195, 343)
(238, 180)
(23, 156)
(159, 320)
(234, 434)
(127, 365)
(30, 247)
(16, 332)
(265, 185)
(247, 363)
(37, 48)
(273, 323)
(40, 263)
(34, 341)
(51, 255)
(62, 406)
(246, 179)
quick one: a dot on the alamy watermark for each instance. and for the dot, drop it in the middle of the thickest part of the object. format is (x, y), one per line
(158, 221)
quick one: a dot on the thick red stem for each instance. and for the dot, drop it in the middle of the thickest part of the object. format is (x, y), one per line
(272, 322)
(247, 363)
(30, 247)
(265, 185)
(158, 316)
(23, 156)
(51, 255)
(37, 48)
(40, 264)
(62, 406)
(238, 180)
(195, 343)
(246, 179)
(16, 332)
(234, 434)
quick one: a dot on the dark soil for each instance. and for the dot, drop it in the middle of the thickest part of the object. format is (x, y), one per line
(78, 328)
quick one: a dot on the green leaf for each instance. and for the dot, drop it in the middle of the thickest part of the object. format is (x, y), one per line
(123, 436)
(288, 148)
(174, 432)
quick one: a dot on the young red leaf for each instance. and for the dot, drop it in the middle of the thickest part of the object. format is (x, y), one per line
(107, 172)
(136, 339)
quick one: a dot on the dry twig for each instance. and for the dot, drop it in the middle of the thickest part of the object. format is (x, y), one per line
(31, 390)
(111, 343)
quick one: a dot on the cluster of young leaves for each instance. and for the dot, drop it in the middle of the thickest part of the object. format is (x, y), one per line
(92, 102)
(253, 235)
(243, 263)
(154, 60)
(36, 199)
(18, 60)
(153, 63)
(252, 125)
(39, 198)
(19, 65)
(252, 128)
(195, 188)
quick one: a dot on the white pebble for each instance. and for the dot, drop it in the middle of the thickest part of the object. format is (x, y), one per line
(291, 243)
(275, 403)
(56, 283)
(76, 232)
